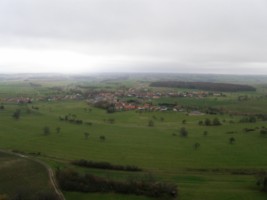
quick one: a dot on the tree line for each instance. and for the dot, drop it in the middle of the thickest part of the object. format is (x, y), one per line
(70, 180)
(209, 86)
(104, 165)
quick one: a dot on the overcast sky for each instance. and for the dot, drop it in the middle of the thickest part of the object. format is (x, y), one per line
(181, 36)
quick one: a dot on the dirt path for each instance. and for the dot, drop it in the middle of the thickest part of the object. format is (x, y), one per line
(52, 178)
(48, 168)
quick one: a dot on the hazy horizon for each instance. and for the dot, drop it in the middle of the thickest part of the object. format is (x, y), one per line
(134, 36)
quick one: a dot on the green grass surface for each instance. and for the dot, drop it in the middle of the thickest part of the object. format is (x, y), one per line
(130, 141)
(21, 176)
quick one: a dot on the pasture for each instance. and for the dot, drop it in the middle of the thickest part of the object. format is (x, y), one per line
(216, 169)
(23, 178)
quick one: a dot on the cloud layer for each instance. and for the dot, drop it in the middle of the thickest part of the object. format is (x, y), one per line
(222, 36)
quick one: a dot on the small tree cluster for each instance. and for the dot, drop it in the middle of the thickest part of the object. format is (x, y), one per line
(109, 107)
(248, 119)
(71, 118)
(248, 130)
(208, 122)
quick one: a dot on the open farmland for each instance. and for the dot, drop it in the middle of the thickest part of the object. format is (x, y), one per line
(57, 122)
(24, 178)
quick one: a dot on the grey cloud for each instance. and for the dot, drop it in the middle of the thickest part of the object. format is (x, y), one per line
(186, 34)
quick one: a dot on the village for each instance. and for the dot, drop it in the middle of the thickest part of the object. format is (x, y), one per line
(121, 100)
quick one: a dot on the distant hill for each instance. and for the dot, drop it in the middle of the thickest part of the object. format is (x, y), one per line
(220, 87)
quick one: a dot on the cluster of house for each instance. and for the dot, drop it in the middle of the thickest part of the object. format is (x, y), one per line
(119, 98)
(123, 106)
(143, 96)
(24, 100)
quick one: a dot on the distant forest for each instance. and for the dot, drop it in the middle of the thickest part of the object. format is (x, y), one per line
(220, 87)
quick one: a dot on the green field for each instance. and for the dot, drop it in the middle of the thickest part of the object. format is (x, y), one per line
(23, 178)
(208, 172)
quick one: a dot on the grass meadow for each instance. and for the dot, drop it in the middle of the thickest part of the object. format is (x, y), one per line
(203, 173)
(21, 176)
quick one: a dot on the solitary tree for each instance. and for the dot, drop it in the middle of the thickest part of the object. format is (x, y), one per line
(86, 135)
(205, 133)
(102, 138)
(231, 140)
(16, 114)
(58, 129)
(46, 130)
(183, 132)
(151, 123)
(196, 145)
